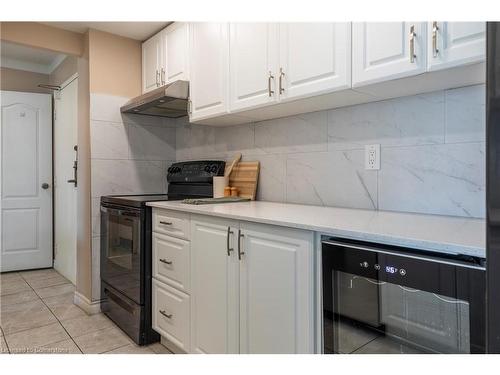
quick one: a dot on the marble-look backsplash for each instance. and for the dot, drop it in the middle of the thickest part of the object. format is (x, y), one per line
(129, 155)
(432, 154)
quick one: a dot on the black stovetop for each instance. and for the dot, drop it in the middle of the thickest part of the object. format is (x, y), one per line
(134, 200)
(189, 179)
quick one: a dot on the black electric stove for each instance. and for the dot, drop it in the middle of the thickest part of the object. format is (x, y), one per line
(126, 254)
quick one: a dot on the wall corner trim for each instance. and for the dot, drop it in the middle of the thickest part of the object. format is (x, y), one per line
(90, 307)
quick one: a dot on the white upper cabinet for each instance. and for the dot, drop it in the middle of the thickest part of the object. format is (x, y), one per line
(214, 277)
(314, 58)
(383, 51)
(254, 64)
(276, 283)
(176, 55)
(151, 63)
(165, 57)
(455, 43)
(209, 69)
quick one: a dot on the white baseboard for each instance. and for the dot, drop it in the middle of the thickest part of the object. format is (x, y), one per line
(90, 307)
(171, 346)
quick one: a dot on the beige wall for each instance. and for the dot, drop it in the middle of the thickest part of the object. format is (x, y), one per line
(67, 68)
(35, 34)
(115, 64)
(84, 230)
(106, 64)
(21, 80)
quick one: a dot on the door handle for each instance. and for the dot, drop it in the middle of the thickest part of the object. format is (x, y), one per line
(165, 222)
(282, 74)
(229, 249)
(74, 180)
(45, 186)
(166, 261)
(271, 92)
(412, 44)
(240, 236)
(435, 29)
(168, 316)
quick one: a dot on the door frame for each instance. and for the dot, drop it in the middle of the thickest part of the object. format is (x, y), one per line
(54, 93)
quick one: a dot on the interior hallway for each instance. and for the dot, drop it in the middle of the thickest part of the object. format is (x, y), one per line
(37, 315)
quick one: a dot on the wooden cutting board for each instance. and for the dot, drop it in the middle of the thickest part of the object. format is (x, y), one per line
(245, 176)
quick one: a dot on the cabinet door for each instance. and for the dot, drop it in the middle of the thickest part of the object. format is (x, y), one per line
(209, 69)
(253, 64)
(151, 61)
(176, 47)
(383, 51)
(276, 290)
(455, 43)
(214, 285)
(314, 58)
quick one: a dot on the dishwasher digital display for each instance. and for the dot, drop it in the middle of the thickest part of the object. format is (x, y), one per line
(391, 269)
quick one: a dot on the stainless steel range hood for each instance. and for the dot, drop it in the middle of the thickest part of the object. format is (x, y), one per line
(167, 101)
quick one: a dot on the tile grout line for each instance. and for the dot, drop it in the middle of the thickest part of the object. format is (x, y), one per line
(54, 315)
(5, 340)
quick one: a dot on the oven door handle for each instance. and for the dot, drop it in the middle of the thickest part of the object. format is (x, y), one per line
(112, 296)
(116, 212)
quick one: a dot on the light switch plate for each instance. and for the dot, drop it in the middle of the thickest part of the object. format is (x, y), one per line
(372, 157)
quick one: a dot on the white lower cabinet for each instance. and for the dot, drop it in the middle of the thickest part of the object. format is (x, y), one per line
(214, 280)
(251, 288)
(171, 317)
(276, 290)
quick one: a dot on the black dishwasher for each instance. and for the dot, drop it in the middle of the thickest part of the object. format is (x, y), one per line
(386, 299)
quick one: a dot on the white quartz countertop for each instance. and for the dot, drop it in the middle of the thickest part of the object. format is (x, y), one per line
(445, 234)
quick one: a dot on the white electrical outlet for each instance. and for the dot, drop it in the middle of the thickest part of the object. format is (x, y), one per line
(372, 157)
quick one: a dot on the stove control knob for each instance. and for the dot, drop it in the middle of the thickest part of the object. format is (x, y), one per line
(213, 169)
(207, 168)
(402, 272)
(169, 170)
(364, 264)
(377, 266)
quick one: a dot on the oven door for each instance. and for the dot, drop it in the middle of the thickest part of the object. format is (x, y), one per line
(384, 301)
(121, 250)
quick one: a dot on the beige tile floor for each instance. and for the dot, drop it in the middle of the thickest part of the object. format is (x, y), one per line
(37, 315)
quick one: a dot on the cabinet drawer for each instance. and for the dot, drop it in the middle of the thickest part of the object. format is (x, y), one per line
(171, 314)
(172, 223)
(171, 261)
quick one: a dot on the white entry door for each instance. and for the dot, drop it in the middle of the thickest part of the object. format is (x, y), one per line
(65, 140)
(26, 180)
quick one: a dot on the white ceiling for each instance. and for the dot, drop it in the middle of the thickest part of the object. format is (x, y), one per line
(134, 30)
(36, 60)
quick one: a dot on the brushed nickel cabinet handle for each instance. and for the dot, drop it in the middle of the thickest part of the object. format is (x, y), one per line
(157, 78)
(282, 74)
(240, 236)
(412, 44)
(435, 29)
(162, 76)
(164, 313)
(166, 261)
(271, 92)
(165, 222)
(229, 249)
